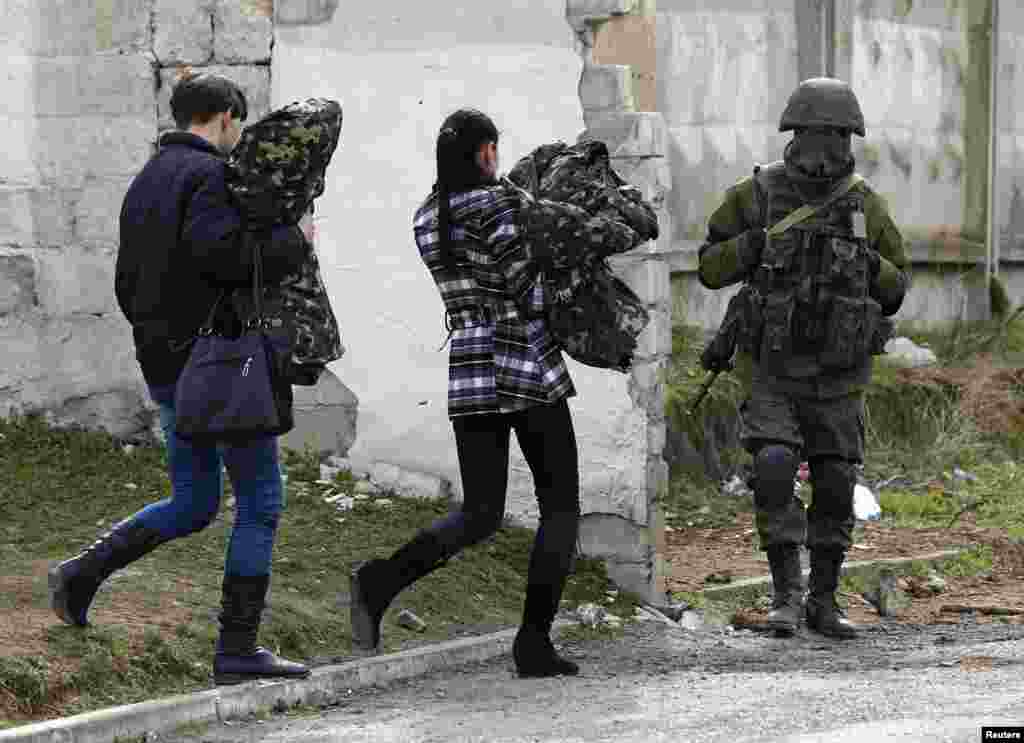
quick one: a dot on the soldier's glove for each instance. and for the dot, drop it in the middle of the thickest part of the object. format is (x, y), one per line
(749, 247)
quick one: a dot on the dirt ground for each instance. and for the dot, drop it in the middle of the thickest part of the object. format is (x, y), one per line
(703, 557)
(27, 622)
(24, 626)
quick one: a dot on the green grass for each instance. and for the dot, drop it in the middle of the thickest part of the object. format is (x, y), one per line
(693, 499)
(970, 562)
(915, 430)
(60, 485)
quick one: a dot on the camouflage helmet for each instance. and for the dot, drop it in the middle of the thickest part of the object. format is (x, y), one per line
(823, 101)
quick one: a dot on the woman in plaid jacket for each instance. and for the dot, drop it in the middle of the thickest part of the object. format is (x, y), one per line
(505, 373)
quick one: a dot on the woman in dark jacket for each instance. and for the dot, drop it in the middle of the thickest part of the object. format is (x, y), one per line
(183, 242)
(505, 373)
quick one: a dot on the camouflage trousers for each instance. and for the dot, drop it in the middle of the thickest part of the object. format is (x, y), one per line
(829, 435)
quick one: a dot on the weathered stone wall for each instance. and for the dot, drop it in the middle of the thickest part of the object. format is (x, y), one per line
(1010, 143)
(78, 109)
(723, 74)
(617, 92)
(83, 100)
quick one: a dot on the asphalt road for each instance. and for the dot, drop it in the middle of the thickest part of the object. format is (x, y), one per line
(663, 683)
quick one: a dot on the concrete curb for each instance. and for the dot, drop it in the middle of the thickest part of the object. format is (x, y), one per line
(324, 686)
(752, 588)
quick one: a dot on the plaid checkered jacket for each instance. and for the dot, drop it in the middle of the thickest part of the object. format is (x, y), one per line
(502, 356)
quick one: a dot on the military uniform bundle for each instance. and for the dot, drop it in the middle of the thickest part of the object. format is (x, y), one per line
(275, 172)
(576, 212)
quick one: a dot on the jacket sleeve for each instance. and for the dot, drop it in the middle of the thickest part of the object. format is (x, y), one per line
(722, 257)
(500, 232)
(214, 234)
(126, 271)
(892, 281)
(627, 204)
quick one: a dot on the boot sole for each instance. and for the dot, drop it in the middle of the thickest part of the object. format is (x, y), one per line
(59, 597)
(833, 635)
(233, 679)
(546, 674)
(782, 628)
(360, 618)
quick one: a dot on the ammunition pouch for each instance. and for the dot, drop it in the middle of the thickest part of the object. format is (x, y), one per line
(850, 333)
(776, 342)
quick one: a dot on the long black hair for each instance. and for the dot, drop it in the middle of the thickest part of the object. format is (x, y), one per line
(458, 143)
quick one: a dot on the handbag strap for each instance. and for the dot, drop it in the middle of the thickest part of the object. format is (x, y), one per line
(207, 327)
(257, 282)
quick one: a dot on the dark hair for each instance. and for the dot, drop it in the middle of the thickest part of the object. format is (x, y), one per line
(198, 98)
(458, 142)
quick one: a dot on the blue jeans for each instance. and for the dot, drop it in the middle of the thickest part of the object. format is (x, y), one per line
(197, 485)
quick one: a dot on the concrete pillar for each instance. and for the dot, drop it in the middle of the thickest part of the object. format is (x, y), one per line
(617, 92)
(813, 22)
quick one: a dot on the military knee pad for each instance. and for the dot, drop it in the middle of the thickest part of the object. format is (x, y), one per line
(774, 471)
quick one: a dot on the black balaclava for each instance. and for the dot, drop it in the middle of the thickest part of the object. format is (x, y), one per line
(457, 170)
(817, 157)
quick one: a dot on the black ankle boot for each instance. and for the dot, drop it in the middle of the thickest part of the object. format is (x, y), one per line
(375, 583)
(74, 582)
(823, 613)
(536, 657)
(238, 658)
(532, 650)
(787, 587)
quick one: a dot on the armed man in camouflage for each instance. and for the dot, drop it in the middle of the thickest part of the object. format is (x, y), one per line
(822, 266)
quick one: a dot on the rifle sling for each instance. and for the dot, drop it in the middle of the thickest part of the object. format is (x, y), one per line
(808, 210)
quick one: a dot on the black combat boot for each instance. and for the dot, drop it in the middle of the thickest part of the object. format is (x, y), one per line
(375, 583)
(533, 651)
(823, 613)
(787, 587)
(74, 582)
(238, 658)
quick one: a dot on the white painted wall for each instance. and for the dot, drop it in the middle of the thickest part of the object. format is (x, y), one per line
(399, 67)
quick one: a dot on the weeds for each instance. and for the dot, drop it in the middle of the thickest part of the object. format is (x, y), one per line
(24, 683)
(975, 561)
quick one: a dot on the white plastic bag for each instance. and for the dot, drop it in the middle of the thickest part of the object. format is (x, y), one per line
(865, 504)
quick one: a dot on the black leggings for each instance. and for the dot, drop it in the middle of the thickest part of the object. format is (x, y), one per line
(547, 440)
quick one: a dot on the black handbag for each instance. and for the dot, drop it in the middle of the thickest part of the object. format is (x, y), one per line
(236, 389)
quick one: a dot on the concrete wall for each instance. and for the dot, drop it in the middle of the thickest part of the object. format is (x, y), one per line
(920, 71)
(82, 102)
(724, 73)
(1010, 141)
(77, 109)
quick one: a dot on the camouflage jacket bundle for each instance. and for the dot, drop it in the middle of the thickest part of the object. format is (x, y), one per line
(275, 172)
(576, 212)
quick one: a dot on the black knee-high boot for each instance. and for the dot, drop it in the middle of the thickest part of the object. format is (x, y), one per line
(535, 655)
(238, 658)
(74, 582)
(375, 583)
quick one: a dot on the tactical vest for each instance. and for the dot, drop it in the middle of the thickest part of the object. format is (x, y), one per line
(809, 310)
